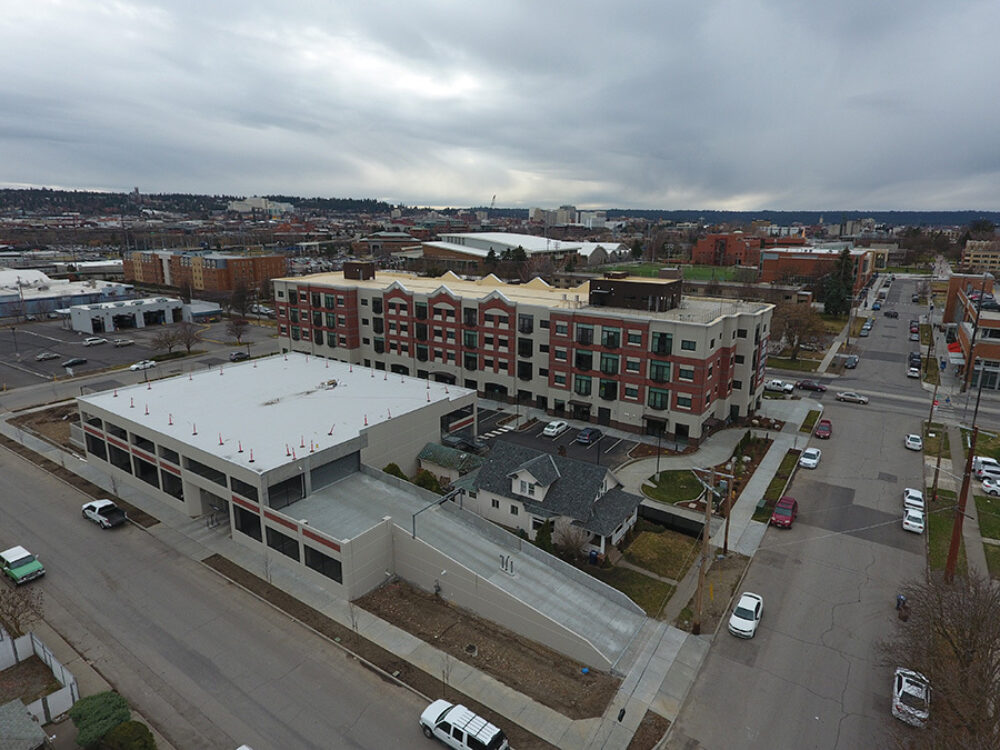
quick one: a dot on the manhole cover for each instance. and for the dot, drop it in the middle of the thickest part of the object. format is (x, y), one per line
(471, 650)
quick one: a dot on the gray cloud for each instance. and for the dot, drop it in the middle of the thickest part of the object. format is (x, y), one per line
(775, 104)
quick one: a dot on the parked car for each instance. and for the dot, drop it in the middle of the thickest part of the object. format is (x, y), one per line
(104, 513)
(42, 356)
(984, 462)
(588, 435)
(987, 472)
(780, 386)
(913, 372)
(810, 385)
(746, 615)
(143, 364)
(915, 298)
(94, 341)
(851, 362)
(865, 332)
(555, 428)
(238, 356)
(810, 458)
(914, 336)
(20, 566)
(824, 429)
(915, 359)
(30, 318)
(459, 728)
(852, 397)
(785, 511)
(913, 499)
(877, 305)
(911, 697)
(123, 342)
(913, 442)
(913, 520)
(459, 442)
(74, 361)
(991, 486)
(890, 313)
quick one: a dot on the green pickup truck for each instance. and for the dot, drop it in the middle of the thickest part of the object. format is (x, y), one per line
(20, 565)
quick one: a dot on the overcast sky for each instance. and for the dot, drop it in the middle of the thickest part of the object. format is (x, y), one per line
(746, 104)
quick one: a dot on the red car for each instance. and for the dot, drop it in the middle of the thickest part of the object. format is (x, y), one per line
(824, 429)
(784, 512)
(810, 385)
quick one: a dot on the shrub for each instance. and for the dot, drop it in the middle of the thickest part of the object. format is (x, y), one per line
(428, 481)
(395, 471)
(543, 536)
(129, 735)
(96, 715)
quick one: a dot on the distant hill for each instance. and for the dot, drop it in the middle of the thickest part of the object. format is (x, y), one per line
(810, 218)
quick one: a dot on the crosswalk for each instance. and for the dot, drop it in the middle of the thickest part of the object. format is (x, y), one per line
(498, 431)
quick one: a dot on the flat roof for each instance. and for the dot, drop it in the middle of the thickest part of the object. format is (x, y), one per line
(537, 292)
(268, 404)
(353, 505)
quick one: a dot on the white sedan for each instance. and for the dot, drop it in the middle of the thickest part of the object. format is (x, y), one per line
(913, 520)
(810, 458)
(913, 442)
(911, 697)
(143, 364)
(556, 428)
(745, 618)
(991, 486)
(913, 499)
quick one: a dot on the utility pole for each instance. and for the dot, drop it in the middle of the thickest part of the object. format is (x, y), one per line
(937, 465)
(699, 596)
(972, 341)
(930, 416)
(956, 529)
(729, 505)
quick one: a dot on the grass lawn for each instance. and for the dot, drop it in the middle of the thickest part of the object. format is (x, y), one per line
(648, 593)
(986, 445)
(940, 520)
(992, 559)
(931, 443)
(777, 486)
(707, 273)
(989, 515)
(640, 269)
(799, 365)
(925, 335)
(810, 421)
(668, 554)
(833, 324)
(932, 372)
(674, 487)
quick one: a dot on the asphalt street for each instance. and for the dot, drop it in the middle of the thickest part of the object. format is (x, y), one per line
(812, 676)
(209, 665)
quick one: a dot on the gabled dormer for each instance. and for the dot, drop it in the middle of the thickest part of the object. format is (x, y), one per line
(532, 479)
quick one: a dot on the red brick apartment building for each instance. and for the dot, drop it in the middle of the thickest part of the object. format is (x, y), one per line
(620, 351)
(803, 264)
(960, 312)
(203, 271)
(727, 250)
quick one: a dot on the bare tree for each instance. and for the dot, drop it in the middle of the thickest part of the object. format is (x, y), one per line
(239, 300)
(796, 325)
(237, 327)
(571, 540)
(952, 638)
(19, 609)
(187, 335)
(166, 341)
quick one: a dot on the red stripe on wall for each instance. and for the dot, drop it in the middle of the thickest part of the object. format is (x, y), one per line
(246, 504)
(119, 443)
(278, 519)
(171, 469)
(93, 431)
(321, 540)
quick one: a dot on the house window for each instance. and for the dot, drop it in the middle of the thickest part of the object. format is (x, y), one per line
(527, 488)
(513, 509)
(495, 503)
(688, 345)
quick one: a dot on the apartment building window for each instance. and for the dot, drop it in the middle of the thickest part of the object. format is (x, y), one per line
(449, 335)
(659, 372)
(524, 370)
(471, 361)
(543, 324)
(293, 315)
(331, 339)
(331, 321)
(470, 316)
(364, 302)
(584, 334)
(740, 359)
(470, 339)
(685, 373)
(340, 301)
(318, 336)
(741, 333)
(607, 390)
(378, 325)
(560, 355)
(661, 343)
(609, 364)
(584, 360)
(632, 392)
(582, 385)
(543, 348)
(342, 321)
(562, 328)
(421, 332)
(688, 345)
(683, 402)
(634, 338)
(611, 338)
(525, 323)
(295, 333)
(293, 297)
(421, 310)
(281, 294)
(377, 306)
(525, 347)
(379, 346)
(315, 298)
(737, 385)
(559, 378)
(633, 366)
(658, 399)
(317, 318)
(328, 302)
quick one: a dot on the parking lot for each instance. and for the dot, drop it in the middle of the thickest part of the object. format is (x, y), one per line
(610, 450)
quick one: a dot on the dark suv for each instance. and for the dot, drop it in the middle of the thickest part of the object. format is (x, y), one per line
(238, 356)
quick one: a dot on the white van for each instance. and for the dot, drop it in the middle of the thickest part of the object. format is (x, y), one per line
(459, 728)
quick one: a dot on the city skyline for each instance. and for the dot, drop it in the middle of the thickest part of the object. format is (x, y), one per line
(677, 106)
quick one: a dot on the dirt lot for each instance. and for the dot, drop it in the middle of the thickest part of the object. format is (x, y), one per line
(28, 680)
(51, 424)
(723, 577)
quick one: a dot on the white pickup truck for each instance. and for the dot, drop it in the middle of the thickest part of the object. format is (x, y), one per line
(779, 386)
